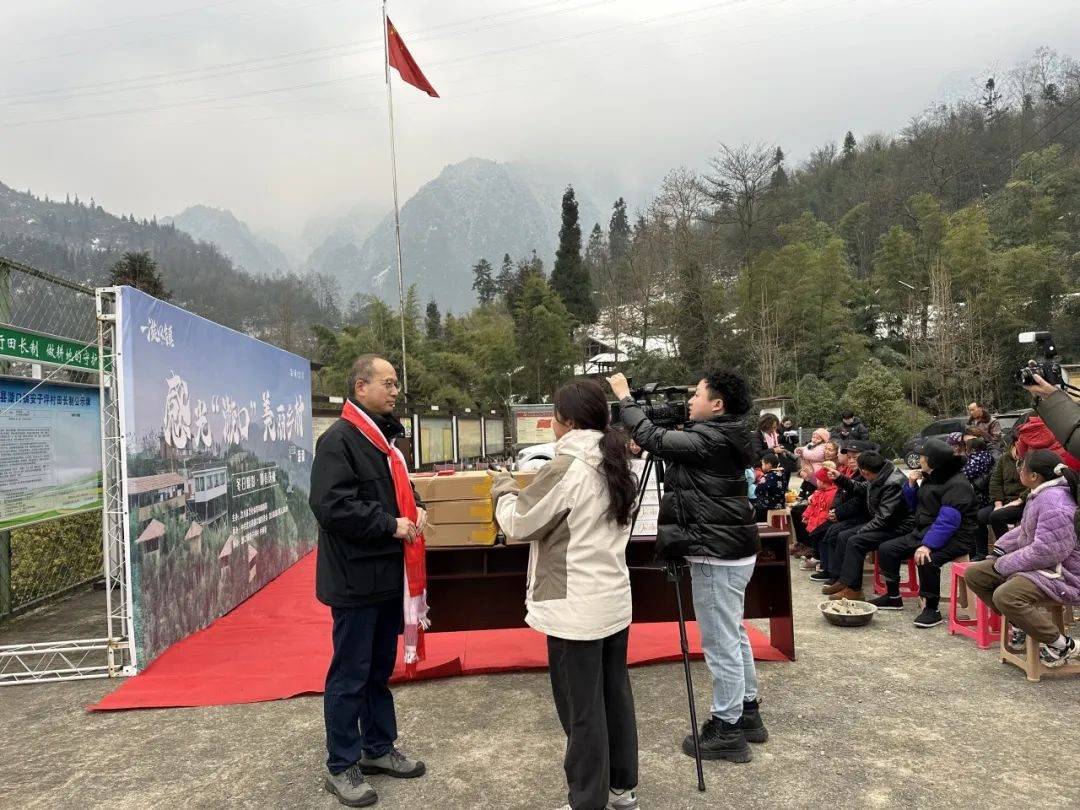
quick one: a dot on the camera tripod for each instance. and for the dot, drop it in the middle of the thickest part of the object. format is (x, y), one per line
(674, 570)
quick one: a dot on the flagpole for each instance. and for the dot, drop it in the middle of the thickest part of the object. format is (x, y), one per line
(397, 213)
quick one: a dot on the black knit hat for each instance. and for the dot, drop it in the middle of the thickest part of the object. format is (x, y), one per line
(938, 454)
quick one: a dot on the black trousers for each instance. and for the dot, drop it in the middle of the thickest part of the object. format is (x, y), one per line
(857, 544)
(832, 553)
(892, 553)
(596, 708)
(996, 519)
(358, 707)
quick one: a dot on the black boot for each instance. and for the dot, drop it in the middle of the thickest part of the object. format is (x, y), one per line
(720, 740)
(751, 723)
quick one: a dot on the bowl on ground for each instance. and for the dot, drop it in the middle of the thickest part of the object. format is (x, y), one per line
(847, 612)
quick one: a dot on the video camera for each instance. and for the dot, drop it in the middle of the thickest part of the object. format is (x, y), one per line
(1046, 366)
(664, 405)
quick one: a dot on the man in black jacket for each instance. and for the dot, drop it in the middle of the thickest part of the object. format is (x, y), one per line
(706, 518)
(882, 488)
(850, 427)
(945, 527)
(848, 512)
(360, 574)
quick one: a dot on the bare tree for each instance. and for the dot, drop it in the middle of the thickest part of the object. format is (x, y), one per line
(739, 185)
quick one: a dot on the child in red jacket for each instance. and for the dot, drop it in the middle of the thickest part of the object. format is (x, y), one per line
(816, 515)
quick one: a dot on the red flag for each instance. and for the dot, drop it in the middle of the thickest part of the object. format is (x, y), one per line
(401, 59)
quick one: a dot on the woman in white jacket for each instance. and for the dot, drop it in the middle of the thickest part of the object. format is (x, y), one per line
(576, 516)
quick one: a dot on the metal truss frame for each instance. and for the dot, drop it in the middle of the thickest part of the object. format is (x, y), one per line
(114, 655)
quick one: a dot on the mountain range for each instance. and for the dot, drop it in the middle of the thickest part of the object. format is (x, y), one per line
(233, 238)
(474, 209)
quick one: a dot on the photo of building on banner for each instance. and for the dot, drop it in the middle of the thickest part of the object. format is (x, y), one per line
(218, 449)
(50, 451)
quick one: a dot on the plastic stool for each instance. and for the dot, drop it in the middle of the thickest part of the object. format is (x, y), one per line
(908, 590)
(985, 627)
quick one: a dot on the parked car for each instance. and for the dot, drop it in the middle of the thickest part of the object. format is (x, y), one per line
(1008, 419)
(939, 428)
(535, 456)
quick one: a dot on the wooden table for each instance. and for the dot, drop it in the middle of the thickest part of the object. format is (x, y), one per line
(483, 587)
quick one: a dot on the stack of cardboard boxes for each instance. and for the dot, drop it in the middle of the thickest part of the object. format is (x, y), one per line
(460, 512)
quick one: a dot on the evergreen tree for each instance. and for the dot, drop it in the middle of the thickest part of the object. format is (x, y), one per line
(139, 270)
(483, 283)
(570, 277)
(779, 177)
(433, 322)
(504, 282)
(619, 231)
(849, 149)
(543, 338)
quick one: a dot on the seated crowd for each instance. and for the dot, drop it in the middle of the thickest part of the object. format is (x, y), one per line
(853, 501)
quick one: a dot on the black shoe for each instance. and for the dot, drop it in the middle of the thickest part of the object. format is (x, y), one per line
(886, 602)
(751, 723)
(720, 740)
(821, 576)
(930, 617)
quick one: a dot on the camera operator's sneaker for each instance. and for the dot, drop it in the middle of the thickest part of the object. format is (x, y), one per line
(753, 727)
(821, 576)
(393, 763)
(622, 800)
(350, 787)
(720, 740)
(928, 618)
(1057, 656)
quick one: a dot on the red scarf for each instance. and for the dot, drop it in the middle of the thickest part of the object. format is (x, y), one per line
(415, 607)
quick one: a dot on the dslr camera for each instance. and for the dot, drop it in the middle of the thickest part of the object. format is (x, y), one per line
(664, 405)
(1046, 365)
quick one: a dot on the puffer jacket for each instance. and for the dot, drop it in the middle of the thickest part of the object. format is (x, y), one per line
(1043, 547)
(1034, 434)
(812, 456)
(704, 511)
(944, 502)
(578, 583)
(1005, 483)
(883, 499)
(1062, 416)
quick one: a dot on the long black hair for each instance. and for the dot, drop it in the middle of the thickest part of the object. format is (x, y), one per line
(1048, 465)
(583, 402)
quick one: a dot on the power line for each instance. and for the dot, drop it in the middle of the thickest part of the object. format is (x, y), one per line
(1020, 149)
(664, 19)
(251, 66)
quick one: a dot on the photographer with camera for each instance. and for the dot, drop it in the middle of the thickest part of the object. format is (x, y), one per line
(706, 519)
(1061, 414)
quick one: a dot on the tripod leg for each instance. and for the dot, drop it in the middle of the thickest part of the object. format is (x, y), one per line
(685, 646)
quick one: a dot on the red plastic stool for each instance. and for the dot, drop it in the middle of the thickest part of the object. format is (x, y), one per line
(985, 628)
(908, 590)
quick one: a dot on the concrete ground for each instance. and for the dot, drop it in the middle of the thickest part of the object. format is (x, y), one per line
(882, 716)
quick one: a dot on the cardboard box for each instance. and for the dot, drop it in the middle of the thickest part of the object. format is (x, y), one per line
(461, 486)
(525, 477)
(477, 511)
(471, 485)
(459, 534)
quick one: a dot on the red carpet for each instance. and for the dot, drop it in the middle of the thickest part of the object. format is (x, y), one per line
(277, 645)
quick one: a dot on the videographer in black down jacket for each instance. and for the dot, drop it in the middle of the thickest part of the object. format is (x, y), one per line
(706, 518)
(1061, 414)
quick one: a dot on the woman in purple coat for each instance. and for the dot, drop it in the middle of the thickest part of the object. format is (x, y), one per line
(1038, 561)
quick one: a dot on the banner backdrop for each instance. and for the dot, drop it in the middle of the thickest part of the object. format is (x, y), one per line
(50, 450)
(218, 449)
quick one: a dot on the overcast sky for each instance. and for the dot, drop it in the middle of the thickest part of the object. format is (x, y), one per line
(276, 109)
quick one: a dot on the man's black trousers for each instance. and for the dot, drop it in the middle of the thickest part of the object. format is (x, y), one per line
(893, 553)
(358, 707)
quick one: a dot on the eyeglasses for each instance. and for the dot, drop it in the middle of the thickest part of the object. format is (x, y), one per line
(389, 385)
